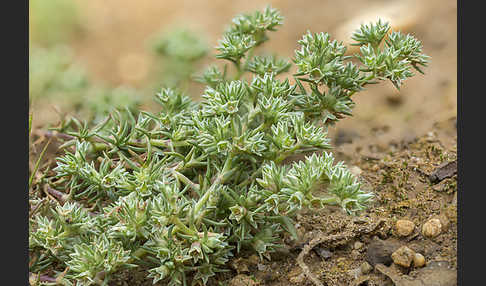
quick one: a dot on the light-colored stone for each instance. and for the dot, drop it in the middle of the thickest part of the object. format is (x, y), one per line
(355, 254)
(404, 227)
(261, 267)
(418, 260)
(444, 221)
(355, 273)
(242, 280)
(432, 228)
(403, 256)
(358, 245)
(366, 268)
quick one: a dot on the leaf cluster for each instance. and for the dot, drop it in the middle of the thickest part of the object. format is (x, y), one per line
(182, 190)
(179, 51)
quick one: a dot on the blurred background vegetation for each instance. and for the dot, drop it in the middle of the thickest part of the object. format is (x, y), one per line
(89, 56)
(57, 78)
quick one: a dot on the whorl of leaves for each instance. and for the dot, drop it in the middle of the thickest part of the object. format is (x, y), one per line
(183, 190)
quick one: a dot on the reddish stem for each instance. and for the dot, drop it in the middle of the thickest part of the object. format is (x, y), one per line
(62, 197)
(41, 278)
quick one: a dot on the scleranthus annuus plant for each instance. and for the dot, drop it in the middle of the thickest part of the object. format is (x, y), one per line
(181, 191)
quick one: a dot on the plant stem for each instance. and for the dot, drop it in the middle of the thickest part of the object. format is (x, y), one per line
(185, 180)
(287, 153)
(239, 70)
(62, 197)
(36, 167)
(167, 143)
(41, 278)
(252, 178)
(329, 201)
(219, 180)
(181, 226)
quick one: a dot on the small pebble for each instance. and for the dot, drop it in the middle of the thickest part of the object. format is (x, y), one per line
(323, 253)
(432, 228)
(297, 279)
(404, 227)
(403, 256)
(366, 268)
(355, 254)
(444, 221)
(253, 259)
(379, 251)
(358, 245)
(240, 265)
(355, 273)
(242, 280)
(418, 260)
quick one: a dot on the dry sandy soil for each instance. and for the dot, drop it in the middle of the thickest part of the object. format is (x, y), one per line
(394, 140)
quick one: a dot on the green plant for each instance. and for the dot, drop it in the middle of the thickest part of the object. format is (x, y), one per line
(180, 191)
(55, 76)
(53, 22)
(179, 51)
